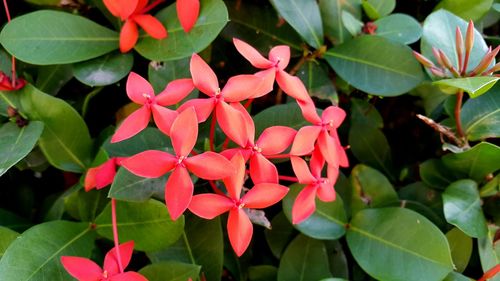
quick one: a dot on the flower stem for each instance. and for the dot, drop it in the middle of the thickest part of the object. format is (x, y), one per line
(13, 80)
(458, 108)
(215, 188)
(115, 234)
(151, 6)
(287, 178)
(212, 131)
(490, 273)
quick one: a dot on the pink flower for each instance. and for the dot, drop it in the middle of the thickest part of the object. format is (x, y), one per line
(102, 175)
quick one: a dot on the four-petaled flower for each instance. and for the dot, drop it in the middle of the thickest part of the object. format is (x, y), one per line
(86, 270)
(102, 175)
(141, 92)
(239, 226)
(179, 187)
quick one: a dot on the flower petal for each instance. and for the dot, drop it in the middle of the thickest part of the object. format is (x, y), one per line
(150, 163)
(178, 192)
(328, 149)
(343, 160)
(249, 124)
(332, 173)
(309, 112)
(81, 268)
(304, 205)
(128, 36)
(241, 87)
(301, 170)
(304, 140)
(203, 108)
(267, 83)
(264, 195)
(317, 162)
(111, 258)
(210, 166)
(251, 54)
(208, 206)
(232, 123)
(276, 139)
(121, 9)
(90, 182)
(240, 230)
(164, 118)
(188, 12)
(128, 276)
(333, 114)
(184, 132)
(292, 86)
(132, 125)
(280, 54)
(325, 192)
(175, 91)
(105, 174)
(151, 25)
(234, 183)
(139, 88)
(203, 76)
(262, 170)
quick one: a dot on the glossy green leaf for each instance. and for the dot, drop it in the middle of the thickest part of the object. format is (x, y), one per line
(280, 234)
(147, 139)
(104, 70)
(462, 208)
(455, 276)
(52, 78)
(434, 173)
(52, 37)
(439, 32)
(58, 206)
(375, 9)
(170, 271)
(213, 17)
(331, 14)
(491, 188)
(17, 142)
(489, 252)
(466, 9)
(13, 221)
(304, 259)
(86, 205)
(388, 69)
(327, 222)
(44, 2)
(288, 114)
(474, 86)
(36, 254)
(398, 244)
(314, 75)
(132, 188)
(200, 244)
(353, 25)
(161, 73)
(148, 224)
(65, 140)
(7, 236)
(400, 28)
(339, 265)
(304, 17)
(460, 247)
(481, 116)
(432, 97)
(475, 163)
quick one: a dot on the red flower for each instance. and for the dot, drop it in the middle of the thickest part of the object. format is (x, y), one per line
(179, 187)
(6, 83)
(140, 91)
(102, 175)
(86, 270)
(188, 11)
(133, 13)
(239, 227)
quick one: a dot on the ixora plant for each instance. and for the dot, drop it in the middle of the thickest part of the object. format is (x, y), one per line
(308, 163)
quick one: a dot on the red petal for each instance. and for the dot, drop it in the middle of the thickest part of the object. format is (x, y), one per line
(309, 111)
(267, 83)
(178, 192)
(141, 4)
(111, 258)
(264, 195)
(184, 132)
(105, 174)
(89, 183)
(262, 170)
(164, 118)
(327, 147)
(81, 268)
(150, 163)
(317, 162)
(175, 92)
(128, 36)
(301, 170)
(203, 108)
(249, 125)
(132, 125)
(122, 9)
(325, 192)
(292, 86)
(235, 182)
(251, 54)
(280, 54)
(304, 205)
(333, 114)
(187, 12)
(304, 140)
(232, 123)
(139, 88)
(128, 276)
(151, 25)
(240, 230)
(343, 160)
(240, 87)
(210, 166)
(203, 76)
(208, 206)
(276, 139)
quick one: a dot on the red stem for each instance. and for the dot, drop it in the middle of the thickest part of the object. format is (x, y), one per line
(115, 234)
(13, 58)
(215, 188)
(466, 62)
(212, 131)
(151, 6)
(226, 144)
(490, 273)
(248, 103)
(458, 108)
(287, 178)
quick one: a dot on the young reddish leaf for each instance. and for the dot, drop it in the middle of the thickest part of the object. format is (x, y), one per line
(128, 36)
(240, 87)
(264, 195)
(240, 230)
(138, 88)
(304, 140)
(151, 25)
(304, 204)
(232, 123)
(235, 182)
(184, 132)
(280, 55)
(276, 139)
(208, 206)
(111, 258)
(164, 118)
(301, 170)
(210, 166)
(133, 124)
(81, 268)
(251, 54)
(175, 91)
(203, 108)
(178, 192)
(150, 163)
(203, 76)
(262, 170)
(187, 12)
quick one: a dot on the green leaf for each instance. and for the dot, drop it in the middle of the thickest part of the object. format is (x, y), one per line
(382, 240)
(434, 173)
(375, 9)
(86, 205)
(314, 75)
(7, 236)
(439, 32)
(52, 78)
(13, 221)
(331, 14)
(36, 254)
(432, 97)
(327, 222)
(388, 69)
(475, 163)
(170, 271)
(213, 17)
(148, 224)
(52, 37)
(466, 9)
(400, 28)
(481, 116)
(455, 276)
(461, 248)
(491, 188)
(304, 17)
(129, 187)
(288, 114)
(462, 208)
(304, 259)
(262, 273)
(279, 235)
(148, 139)
(353, 25)
(489, 252)
(17, 142)
(474, 86)
(65, 140)
(200, 244)
(104, 70)
(161, 73)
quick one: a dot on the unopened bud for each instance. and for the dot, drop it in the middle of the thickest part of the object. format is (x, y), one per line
(495, 68)
(435, 52)
(11, 112)
(437, 72)
(469, 37)
(447, 63)
(459, 45)
(486, 61)
(423, 60)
